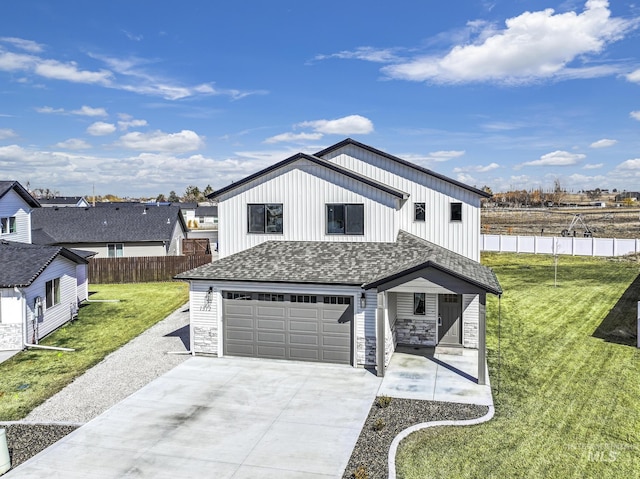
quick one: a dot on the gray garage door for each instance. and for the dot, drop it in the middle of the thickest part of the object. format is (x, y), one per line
(287, 326)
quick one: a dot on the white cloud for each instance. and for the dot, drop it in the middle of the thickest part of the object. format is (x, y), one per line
(73, 144)
(477, 168)
(49, 109)
(556, 158)
(634, 76)
(532, 46)
(100, 128)
(635, 115)
(445, 155)
(131, 123)
(590, 166)
(378, 55)
(131, 36)
(69, 71)
(185, 140)
(348, 125)
(604, 143)
(6, 133)
(89, 111)
(294, 137)
(26, 45)
(630, 165)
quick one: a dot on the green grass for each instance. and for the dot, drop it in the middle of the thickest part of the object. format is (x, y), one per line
(567, 386)
(32, 376)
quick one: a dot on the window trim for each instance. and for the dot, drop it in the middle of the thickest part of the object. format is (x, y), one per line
(10, 223)
(424, 212)
(451, 211)
(115, 250)
(346, 219)
(52, 293)
(416, 305)
(266, 218)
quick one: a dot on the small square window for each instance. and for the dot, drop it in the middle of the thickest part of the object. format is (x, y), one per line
(345, 219)
(115, 250)
(456, 211)
(420, 212)
(265, 218)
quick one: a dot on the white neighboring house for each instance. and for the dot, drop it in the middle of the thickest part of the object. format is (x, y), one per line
(40, 286)
(339, 257)
(64, 202)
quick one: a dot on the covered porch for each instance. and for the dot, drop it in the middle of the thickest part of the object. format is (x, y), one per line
(424, 374)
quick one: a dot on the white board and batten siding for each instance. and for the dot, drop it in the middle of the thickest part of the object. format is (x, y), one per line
(59, 314)
(461, 237)
(206, 317)
(12, 204)
(303, 188)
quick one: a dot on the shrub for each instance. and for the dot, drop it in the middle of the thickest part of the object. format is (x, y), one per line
(383, 401)
(378, 425)
(361, 473)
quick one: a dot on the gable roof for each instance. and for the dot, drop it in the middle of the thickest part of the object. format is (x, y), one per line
(6, 186)
(63, 200)
(350, 141)
(318, 161)
(22, 263)
(362, 264)
(108, 224)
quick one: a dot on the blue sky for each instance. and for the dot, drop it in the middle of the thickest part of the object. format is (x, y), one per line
(144, 97)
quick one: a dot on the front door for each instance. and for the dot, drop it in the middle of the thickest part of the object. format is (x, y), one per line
(450, 319)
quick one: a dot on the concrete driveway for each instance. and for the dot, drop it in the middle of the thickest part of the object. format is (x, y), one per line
(223, 418)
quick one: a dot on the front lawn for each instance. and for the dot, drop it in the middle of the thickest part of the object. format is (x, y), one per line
(32, 376)
(567, 387)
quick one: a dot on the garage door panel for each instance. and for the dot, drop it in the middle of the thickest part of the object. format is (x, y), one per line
(268, 351)
(302, 354)
(310, 312)
(270, 311)
(285, 330)
(242, 308)
(301, 326)
(277, 324)
(271, 337)
(304, 339)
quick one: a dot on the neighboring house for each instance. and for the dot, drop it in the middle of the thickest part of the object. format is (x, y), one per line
(207, 217)
(188, 210)
(339, 257)
(16, 205)
(40, 286)
(64, 201)
(112, 231)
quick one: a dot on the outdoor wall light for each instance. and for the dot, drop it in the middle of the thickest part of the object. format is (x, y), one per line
(209, 296)
(363, 300)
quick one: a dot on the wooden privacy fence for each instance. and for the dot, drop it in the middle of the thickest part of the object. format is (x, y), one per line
(142, 269)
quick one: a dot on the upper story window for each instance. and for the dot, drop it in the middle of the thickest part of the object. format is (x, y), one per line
(8, 225)
(265, 218)
(345, 219)
(456, 211)
(52, 292)
(115, 250)
(420, 211)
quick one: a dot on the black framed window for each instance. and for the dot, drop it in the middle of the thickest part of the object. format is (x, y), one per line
(345, 219)
(420, 211)
(456, 211)
(419, 308)
(115, 250)
(265, 218)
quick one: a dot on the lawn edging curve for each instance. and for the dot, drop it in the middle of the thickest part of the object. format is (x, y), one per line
(403, 434)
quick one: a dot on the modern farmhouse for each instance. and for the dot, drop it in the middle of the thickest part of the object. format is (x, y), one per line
(340, 256)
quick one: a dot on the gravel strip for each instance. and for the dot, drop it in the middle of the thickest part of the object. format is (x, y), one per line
(26, 440)
(120, 374)
(372, 449)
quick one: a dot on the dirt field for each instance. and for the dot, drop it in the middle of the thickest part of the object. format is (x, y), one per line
(603, 222)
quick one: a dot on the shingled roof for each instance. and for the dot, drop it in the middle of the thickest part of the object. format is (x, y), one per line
(346, 263)
(108, 224)
(6, 186)
(22, 263)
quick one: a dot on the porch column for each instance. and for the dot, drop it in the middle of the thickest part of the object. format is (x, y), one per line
(380, 333)
(482, 340)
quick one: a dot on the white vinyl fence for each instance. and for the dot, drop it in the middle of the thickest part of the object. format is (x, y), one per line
(559, 245)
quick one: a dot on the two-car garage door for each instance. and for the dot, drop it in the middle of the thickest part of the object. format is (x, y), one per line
(288, 326)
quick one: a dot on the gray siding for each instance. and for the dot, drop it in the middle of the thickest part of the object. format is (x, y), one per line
(11, 204)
